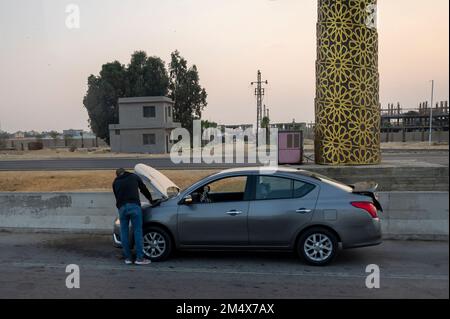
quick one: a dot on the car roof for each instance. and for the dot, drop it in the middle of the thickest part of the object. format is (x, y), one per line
(266, 169)
(311, 176)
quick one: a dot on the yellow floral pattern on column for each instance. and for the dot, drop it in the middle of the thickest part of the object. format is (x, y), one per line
(347, 85)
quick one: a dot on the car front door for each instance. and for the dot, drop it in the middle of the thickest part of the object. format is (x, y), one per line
(217, 216)
(280, 207)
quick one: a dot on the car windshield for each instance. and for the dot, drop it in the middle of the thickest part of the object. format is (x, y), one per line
(172, 192)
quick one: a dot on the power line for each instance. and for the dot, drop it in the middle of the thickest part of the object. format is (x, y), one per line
(259, 93)
(431, 113)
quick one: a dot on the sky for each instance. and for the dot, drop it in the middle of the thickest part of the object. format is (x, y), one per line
(44, 65)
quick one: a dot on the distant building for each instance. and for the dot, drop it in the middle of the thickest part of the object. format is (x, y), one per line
(19, 134)
(72, 132)
(145, 124)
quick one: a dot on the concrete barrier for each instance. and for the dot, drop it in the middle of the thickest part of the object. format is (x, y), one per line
(57, 211)
(407, 215)
(415, 215)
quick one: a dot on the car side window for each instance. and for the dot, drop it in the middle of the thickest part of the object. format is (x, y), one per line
(302, 189)
(271, 187)
(229, 189)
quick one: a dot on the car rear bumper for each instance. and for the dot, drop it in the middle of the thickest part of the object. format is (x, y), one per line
(370, 235)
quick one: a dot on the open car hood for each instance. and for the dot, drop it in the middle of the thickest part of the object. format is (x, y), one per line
(158, 181)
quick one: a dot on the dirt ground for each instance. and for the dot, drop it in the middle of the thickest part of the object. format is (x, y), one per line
(81, 181)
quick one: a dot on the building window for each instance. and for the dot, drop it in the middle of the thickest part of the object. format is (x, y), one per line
(149, 139)
(293, 140)
(289, 141)
(296, 140)
(169, 111)
(117, 132)
(149, 111)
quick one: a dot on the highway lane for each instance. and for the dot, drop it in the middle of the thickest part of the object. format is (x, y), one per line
(33, 265)
(432, 157)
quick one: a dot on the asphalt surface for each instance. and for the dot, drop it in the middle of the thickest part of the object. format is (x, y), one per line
(33, 266)
(440, 157)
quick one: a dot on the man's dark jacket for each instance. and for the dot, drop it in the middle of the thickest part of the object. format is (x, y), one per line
(126, 189)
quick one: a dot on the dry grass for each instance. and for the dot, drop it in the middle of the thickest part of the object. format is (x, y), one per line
(65, 153)
(106, 153)
(81, 181)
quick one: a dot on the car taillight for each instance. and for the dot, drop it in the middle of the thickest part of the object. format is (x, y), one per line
(368, 207)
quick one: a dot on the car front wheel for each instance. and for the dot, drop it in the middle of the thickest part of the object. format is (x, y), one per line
(157, 244)
(318, 246)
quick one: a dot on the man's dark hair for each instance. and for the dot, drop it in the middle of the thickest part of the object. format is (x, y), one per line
(120, 171)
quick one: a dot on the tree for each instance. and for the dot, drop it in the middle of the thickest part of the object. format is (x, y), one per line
(207, 124)
(3, 138)
(265, 122)
(144, 76)
(185, 91)
(54, 135)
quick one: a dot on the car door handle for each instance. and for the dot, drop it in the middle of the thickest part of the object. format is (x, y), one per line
(234, 212)
(303, 211)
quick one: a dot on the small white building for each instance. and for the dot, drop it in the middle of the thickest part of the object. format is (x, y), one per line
(145, 124)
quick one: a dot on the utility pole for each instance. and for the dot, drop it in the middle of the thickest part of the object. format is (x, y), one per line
(259, 93)
(431, 111)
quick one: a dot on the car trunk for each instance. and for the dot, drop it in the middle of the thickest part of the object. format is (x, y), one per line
(367, 189)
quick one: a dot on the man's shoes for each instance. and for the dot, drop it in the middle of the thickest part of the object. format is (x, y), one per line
(143, 262)
(128, 262)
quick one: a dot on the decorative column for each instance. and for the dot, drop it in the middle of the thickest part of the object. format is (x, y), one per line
(347, 107)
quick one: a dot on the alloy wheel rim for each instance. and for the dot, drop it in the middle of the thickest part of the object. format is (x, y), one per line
(318, 247)
(154, 244)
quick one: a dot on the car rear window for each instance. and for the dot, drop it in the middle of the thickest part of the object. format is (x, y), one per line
(333, 182)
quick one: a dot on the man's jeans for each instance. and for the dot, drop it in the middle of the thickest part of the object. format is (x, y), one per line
(131, 212)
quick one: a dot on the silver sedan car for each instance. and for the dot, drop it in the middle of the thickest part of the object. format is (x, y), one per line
(259, 208)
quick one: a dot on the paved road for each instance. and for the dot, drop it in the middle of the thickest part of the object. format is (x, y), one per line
(433, 157)
(33, 265)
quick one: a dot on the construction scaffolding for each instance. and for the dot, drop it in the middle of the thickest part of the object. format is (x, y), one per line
(398, 119)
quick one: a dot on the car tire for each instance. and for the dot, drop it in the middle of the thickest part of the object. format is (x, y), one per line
(157, 243)
(318, 246)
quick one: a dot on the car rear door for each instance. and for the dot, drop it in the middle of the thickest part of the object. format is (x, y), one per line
(280, 207)
(222, 222)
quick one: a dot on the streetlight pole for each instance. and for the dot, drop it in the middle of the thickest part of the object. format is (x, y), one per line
(431, 112)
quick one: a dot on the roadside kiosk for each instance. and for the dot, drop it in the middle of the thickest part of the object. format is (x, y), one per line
(290, 147)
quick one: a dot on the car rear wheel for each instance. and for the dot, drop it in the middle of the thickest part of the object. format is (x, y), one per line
(157, 244)
(318, 246)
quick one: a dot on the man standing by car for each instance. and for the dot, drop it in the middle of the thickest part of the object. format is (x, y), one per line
(126, 189)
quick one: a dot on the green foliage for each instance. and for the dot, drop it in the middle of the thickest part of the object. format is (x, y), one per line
(4, 135)
(3, 138)
(185, 91)
(265, 121)
(53, 134)
(144, 76)
(207, 124)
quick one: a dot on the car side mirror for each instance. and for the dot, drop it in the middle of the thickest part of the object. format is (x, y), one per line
(187, 200)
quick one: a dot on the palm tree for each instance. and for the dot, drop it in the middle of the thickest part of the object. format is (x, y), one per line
(265, 123)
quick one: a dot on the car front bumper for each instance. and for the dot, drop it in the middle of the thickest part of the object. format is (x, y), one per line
(116, 241)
